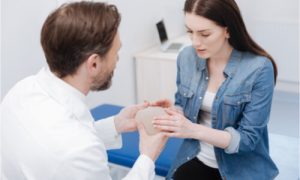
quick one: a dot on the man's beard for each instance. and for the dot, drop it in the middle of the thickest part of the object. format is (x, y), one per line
(100, 84)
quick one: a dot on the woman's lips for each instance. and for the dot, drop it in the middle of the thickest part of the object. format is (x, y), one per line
(201, 50)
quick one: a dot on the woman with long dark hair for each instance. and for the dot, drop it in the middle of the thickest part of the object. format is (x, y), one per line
(225, 83)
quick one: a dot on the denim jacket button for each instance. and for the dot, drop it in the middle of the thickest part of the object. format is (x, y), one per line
(188, 158)
(206, 78)
(200, 97)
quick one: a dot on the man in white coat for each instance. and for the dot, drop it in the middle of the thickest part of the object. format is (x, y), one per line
(47, 130)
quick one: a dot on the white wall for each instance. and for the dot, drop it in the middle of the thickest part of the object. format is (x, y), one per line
(273, 23)
(1, 176)
(1, 50)
(21, 51)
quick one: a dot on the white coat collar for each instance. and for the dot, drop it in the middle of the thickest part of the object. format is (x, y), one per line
(65, 94)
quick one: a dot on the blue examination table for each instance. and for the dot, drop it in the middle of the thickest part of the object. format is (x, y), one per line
(127, 155)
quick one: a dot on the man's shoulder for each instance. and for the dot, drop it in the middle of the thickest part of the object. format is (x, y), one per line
(27, 98)
(45, 118)
(20, 87)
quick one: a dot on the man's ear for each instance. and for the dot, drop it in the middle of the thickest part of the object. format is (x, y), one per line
(93, 64)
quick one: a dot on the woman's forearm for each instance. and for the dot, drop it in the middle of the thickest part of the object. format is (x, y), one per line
(215, 137)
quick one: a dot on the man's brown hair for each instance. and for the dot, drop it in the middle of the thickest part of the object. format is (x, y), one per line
(75, 31)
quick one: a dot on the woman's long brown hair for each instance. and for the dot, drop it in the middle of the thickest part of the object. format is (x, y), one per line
(227, 14)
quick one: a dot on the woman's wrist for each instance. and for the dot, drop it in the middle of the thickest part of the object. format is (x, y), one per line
(196, 131)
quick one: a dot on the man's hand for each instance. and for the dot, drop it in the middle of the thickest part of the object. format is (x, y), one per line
(151, 145)
(124, 121)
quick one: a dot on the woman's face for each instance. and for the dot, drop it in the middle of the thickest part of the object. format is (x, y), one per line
(209, 39)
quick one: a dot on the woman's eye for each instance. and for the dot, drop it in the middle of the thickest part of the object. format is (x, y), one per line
(190, 32)
(205, 35)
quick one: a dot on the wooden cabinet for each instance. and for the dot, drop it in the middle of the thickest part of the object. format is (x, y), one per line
(156, 73)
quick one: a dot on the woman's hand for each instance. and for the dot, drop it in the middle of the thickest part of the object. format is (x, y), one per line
(175, 125)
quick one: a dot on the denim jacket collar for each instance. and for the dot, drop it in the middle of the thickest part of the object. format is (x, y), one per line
(233, 62)
(231, 66)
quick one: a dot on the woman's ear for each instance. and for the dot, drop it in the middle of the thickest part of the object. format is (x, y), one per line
(227, 34)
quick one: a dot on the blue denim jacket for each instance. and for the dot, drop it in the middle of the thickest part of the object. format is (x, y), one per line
(242, 107)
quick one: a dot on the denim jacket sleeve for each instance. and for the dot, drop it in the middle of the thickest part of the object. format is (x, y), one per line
(177, 95)
(256, 113)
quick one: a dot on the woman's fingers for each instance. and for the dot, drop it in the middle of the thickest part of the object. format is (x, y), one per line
(166, 128)
(171, 115)
(163, 117)
(172, 112)
(165, 122)
(171, 134)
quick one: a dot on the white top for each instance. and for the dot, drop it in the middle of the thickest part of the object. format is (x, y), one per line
(48, 133)
(207, 154)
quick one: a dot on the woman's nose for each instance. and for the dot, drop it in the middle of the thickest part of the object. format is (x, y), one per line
(196, 41)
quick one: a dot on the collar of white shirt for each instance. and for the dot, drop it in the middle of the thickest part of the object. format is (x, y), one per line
(65, 94)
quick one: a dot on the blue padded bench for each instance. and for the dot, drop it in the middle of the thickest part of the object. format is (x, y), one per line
(127, 155)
